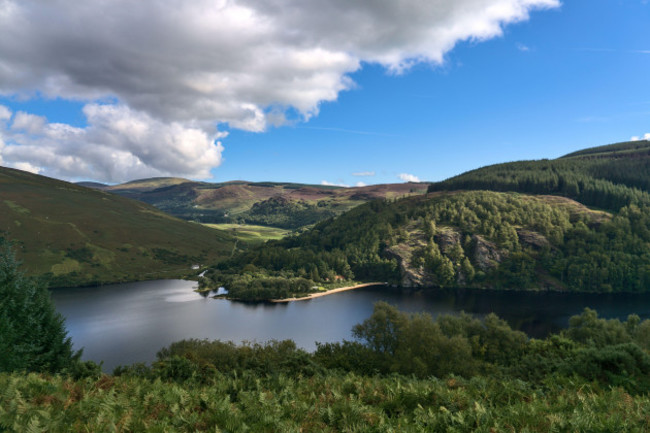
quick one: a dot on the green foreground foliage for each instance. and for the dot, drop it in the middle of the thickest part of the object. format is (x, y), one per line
(334, 403)
(405, 372)
(32, 333)
(33, 337)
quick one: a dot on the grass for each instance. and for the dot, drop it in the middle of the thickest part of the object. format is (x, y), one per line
(251, 234)
(78, 236)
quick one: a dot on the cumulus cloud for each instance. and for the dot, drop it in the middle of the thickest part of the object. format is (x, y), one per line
(644, 137)
(360, 184)
(364, 173)
(248, 63)
(26, 166)
(118, 144)
(29, 123)
(409, 177)
(5, 113)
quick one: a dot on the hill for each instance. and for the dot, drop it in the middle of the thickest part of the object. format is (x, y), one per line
(73, 235)
(577, 223)
(275, 204)
(608, 177)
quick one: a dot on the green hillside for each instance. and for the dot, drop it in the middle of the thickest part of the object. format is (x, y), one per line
(274, 204)
(73, 235)
(609, 177)
(577, 223)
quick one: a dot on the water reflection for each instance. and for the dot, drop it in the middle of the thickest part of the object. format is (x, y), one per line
(128, 323)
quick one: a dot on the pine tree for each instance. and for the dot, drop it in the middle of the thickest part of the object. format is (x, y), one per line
(32, 333)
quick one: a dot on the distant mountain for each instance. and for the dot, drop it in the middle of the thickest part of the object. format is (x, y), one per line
(94, 185)
(608, 177)
(277, 204)
(74, 235)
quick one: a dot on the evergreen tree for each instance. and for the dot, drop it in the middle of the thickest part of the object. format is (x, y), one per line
(32, 333)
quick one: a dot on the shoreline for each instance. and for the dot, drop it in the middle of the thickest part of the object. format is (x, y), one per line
(327, 292)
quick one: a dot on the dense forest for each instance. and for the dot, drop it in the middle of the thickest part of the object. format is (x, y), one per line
(607, 177)
(457, 239)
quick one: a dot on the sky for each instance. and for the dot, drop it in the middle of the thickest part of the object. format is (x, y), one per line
(345, 92)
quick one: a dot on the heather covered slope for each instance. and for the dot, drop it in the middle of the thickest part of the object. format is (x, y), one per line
(74, 235)
(275, 204)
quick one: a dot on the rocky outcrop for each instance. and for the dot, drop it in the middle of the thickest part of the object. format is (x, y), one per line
(446, 238)
(485, 254)
(411, 276)
(532, 239)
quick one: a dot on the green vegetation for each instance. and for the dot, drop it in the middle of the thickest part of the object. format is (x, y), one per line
(72, 236)
(251, 234)
(33, 337)
(608, 177)
(288, 214)
(469, 239)
(32, 334)
(405, 372)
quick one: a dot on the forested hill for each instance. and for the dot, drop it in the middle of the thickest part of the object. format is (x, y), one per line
(608, 177)
(476, 239)
(75, 236)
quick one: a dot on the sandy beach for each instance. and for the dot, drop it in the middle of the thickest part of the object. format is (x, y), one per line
(329, 292)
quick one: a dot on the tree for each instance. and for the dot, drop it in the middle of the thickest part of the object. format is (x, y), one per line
(32, 333)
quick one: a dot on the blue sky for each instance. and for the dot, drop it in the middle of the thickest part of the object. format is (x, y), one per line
(567, 78)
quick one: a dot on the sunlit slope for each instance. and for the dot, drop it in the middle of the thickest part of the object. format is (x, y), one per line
(275, 204)
(75, 235)
(608, 177)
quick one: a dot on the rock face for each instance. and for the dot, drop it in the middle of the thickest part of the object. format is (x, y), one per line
(532, 239)
(447, 238)
(411, 276)
(485, 254)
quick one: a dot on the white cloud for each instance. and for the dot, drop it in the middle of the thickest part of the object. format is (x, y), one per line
(637, 138)
(364, 173)
(522, 47)
(409, 177)
(5, 113)
(326, 183)
(360, 184)
(118, 144)
(195, 63)
(29, 122)
(26, 166)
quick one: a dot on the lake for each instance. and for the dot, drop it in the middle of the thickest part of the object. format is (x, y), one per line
(127, 323)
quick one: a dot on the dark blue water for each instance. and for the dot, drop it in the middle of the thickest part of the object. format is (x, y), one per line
(127, 323)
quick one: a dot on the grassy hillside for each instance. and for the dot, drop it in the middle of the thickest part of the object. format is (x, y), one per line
(73, 235)
(251, 234)
(608, 177)
(283, 205)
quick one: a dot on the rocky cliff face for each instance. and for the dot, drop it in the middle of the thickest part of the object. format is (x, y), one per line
(484, 255)
(412, 276)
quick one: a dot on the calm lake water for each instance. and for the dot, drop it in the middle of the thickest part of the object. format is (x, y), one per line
(127, 323)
